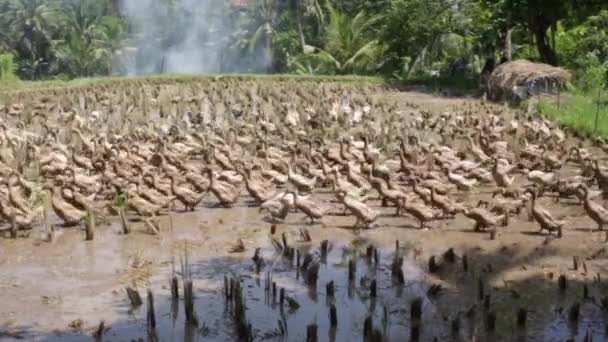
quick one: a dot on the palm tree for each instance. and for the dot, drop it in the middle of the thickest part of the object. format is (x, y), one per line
(264, 17)
(92, 37)
(80, 58)
(349, 47)
(298, 10)
(314, 8)
(84, 16)
(30, 23)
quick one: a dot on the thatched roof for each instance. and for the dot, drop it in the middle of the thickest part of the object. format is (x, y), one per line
(521, 78)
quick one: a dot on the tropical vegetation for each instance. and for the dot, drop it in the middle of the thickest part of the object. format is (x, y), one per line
(398, 39)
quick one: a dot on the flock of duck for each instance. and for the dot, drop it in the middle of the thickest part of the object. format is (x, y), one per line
(285, 145)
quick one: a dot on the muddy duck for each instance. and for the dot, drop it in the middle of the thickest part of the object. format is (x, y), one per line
(370, 153)
(438, 185)
(153, 180)
(140, 205)
(232, 177)
(477, 151)
(302, 183)
(90, 184)
(365, 215)
(380, 170)
(16, 194)
(187, 197)
(480, 174)
(596, 212)
(569, 187)
(601, 177)
(500, 175)
(70, 214)
(388, 195)
(355, 177)
(444, 203)
(77, 199)
(275, 177)
(81, 161)
(22, 221)
(88, 145)
(579, 155)
(420, 212)
(543, 217)
(308, 207)
(461, 182)
(344, 152)
(279, 206)
(341, 184)
(154, 196)
(259, 191)
(484, 219)
(198, 181)
(226, 193)
(422, 192)
(542, 179)
(55, 162)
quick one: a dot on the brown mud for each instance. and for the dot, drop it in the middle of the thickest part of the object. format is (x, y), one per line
(60, 291)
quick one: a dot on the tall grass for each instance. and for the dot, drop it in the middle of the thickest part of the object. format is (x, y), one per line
(578, 110)
(7, 68)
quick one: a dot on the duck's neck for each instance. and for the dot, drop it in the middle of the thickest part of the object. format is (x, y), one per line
(211, 178)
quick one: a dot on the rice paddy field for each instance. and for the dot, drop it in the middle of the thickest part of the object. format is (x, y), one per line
(241, 208)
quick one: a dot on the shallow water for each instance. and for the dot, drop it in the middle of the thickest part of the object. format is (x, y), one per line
(79, 282)
(352, 301)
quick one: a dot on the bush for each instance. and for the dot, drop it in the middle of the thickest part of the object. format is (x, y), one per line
(588, 38)
(594, 75)
(7, 67)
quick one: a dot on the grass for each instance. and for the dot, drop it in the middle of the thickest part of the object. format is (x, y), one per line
(16, 86)
(456, 86)
(7, 68)
(578, 111)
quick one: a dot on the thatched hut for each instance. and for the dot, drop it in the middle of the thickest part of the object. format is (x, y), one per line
(521, 79)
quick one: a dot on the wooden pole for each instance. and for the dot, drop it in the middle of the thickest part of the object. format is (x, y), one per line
(597, 111)
(90, 225)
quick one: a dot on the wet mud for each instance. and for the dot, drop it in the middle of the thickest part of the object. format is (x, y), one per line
(391, 282)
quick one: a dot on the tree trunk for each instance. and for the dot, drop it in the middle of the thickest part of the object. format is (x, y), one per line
(509, 45)
(553, 33)
(547, 54)
(296, 4)
(269, 55)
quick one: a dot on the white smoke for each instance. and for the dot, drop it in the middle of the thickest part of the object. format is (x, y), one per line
(182, 36)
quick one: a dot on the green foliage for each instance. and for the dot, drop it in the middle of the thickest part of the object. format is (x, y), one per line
(261, 31)
(412, 27)
(120, 200)
(29, 25)
(349, 47)
(594, 76)
(285, 41)
(91, 36)
(578, 111)
(7, 68)
(541, 17)
(584, 45)
(406, 40)
(585, 107)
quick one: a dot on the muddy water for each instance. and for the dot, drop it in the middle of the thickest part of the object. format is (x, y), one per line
(84, 281)
(46, 287)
